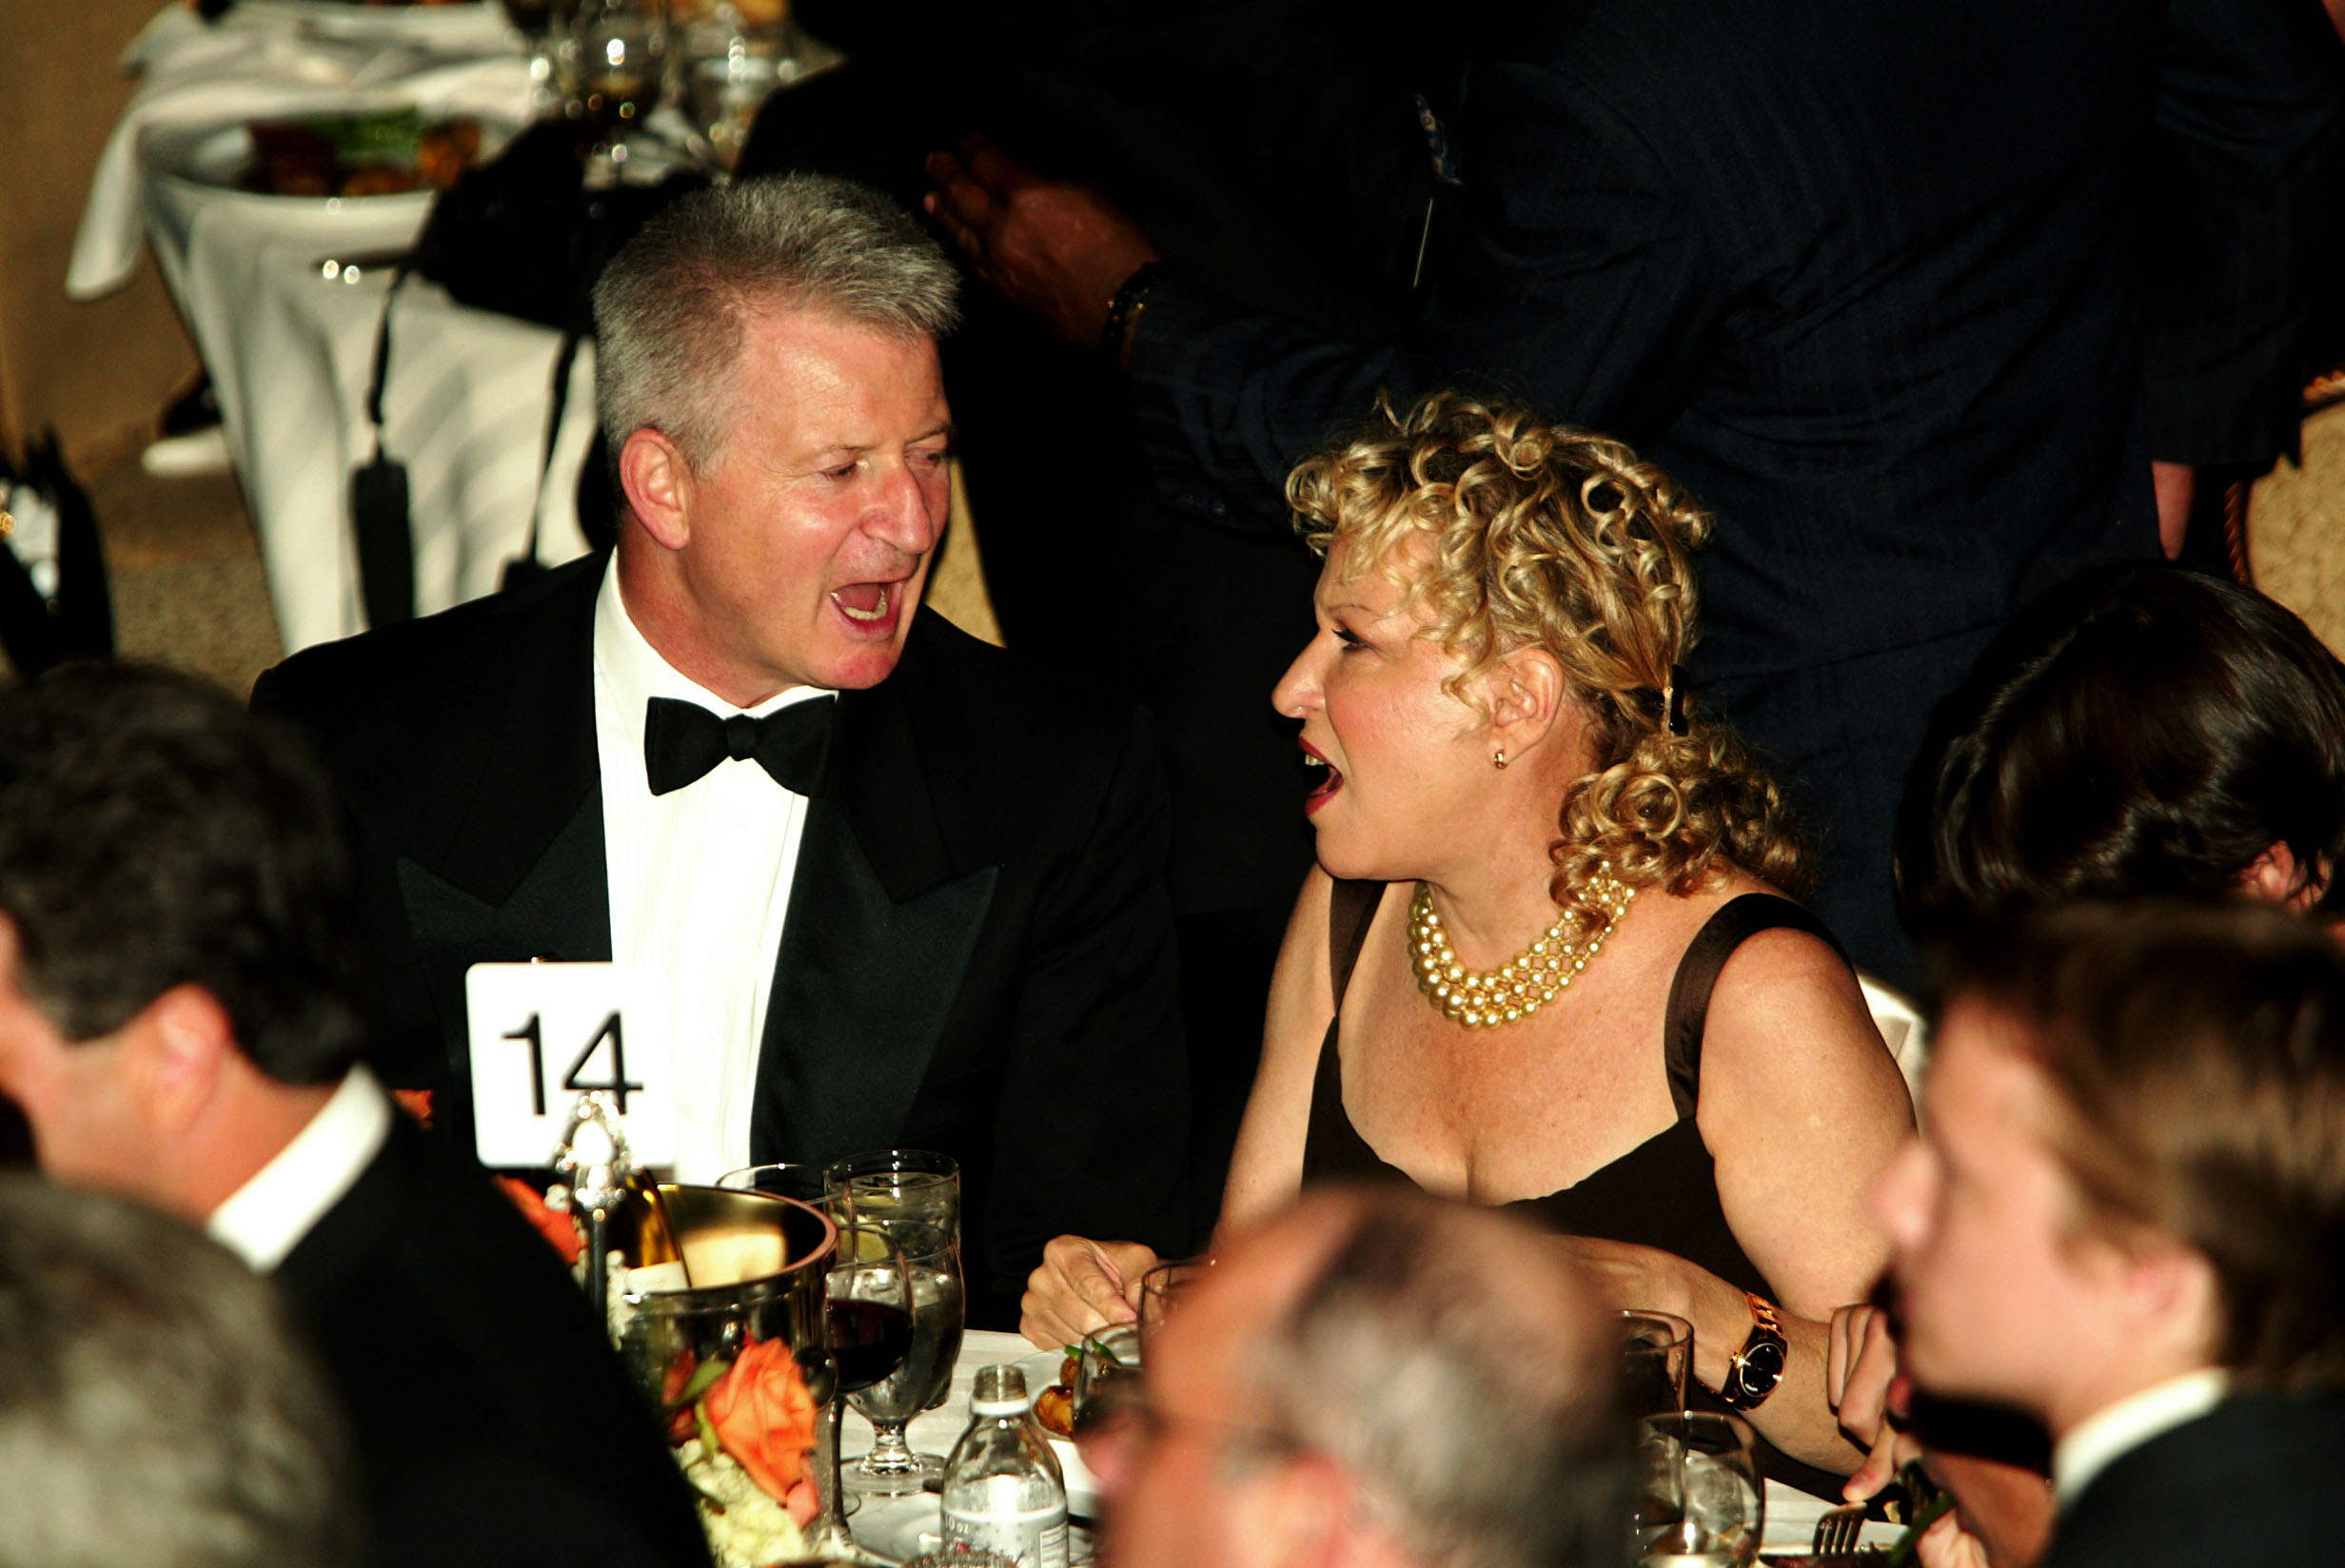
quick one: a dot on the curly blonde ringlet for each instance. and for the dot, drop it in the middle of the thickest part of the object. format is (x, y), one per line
(1506, 531)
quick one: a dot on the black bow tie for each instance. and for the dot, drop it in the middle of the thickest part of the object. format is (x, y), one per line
(684, 740)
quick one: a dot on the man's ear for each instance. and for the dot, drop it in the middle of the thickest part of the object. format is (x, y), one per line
(2275, 877)
(2172, 1301)
(1300, 1512)
(175, 1049)
(658, 482)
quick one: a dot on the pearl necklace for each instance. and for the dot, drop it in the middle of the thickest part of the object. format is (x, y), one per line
(1532, 978)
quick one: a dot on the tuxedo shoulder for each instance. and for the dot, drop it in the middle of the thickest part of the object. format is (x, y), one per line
(2249, 1476)
(416, 661)
(962, 681)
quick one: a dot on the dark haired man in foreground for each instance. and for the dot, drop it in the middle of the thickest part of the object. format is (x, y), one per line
(175, 1021)
(1377, 1378)
(2123, 1218)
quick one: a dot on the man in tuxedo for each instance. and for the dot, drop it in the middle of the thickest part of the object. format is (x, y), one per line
(1377, 1379)
(2122, 1218)
(906, 893)
(176, 1021)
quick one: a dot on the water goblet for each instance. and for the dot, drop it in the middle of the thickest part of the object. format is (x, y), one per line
(1700, 1502)
(1656, 1349)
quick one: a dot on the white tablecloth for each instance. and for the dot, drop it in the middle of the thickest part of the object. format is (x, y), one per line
(289, 350)
(892, 1526)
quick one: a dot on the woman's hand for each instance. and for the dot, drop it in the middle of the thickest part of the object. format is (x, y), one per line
(1081, 1287)
(1862, 1387)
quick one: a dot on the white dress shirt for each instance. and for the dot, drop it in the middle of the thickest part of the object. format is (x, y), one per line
(2107, 1435)
(266, 1217)
(699, 886)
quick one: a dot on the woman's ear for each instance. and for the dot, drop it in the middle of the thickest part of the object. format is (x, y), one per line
(1527, 694)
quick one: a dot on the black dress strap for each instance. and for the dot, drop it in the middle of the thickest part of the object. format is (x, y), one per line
(1737, 921)
(1351, 908)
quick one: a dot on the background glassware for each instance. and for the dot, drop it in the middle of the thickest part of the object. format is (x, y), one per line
(724, 90)
(1700, 1503)
(613, 60)
(1161, 1289)
(1657, 1347)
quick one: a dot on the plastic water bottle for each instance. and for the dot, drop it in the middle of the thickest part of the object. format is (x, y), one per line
(1003, 1490)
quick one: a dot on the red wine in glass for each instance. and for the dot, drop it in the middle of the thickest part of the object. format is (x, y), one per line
(868, 1341)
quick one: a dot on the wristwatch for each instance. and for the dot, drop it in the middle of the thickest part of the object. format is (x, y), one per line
(1756, 1368)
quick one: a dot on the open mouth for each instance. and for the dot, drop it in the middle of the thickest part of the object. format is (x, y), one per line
(870, 607)
(1321, 778)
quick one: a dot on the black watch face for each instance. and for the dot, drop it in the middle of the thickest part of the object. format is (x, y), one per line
(1762, 1366)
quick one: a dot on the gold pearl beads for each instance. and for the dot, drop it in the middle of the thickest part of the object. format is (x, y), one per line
(1523, 985)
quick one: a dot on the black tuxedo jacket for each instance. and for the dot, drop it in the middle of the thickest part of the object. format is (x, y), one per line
(494, 1425)
(979, 954)
(2254, 1480)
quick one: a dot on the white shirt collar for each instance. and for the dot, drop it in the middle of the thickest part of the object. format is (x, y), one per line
(2096, 1442)
(266, 1217)
(634, 672)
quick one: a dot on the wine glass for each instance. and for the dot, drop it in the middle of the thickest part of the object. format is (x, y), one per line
(870, 1304)
(931, 1268)
(1656, 1349)
(614, 63)
(1700, 1504)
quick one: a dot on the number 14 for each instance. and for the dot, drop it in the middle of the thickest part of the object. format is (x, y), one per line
(532, 1034)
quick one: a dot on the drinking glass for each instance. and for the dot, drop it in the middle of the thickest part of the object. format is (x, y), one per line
(897, 1184)
(1162, 1287)
(613, 59)
(1106, 1373)
(869, 1304)
(932, 1271)
(1699, 1503)
(1656, 1349)
(915, 1195)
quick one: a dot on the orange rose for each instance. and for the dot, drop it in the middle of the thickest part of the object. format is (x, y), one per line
(764, 1417)
(558, 1228)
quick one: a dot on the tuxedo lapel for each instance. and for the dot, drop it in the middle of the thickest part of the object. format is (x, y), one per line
(522, 873)
(882, 924)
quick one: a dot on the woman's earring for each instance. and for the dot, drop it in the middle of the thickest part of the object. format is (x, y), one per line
(1498, 757)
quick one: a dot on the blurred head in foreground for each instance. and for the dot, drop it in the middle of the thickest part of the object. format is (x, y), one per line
(1377, 1379)
(2142, 729)
(2134, 1161)
(154, 1405)
(175, 958)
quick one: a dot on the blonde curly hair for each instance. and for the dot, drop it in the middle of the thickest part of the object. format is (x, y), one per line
(1541, 533)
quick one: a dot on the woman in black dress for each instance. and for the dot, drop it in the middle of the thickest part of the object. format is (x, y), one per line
(1544, 959)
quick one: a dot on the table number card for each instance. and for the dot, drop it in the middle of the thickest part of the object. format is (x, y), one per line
(541, 1034)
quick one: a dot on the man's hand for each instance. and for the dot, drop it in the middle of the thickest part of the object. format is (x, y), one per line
(1057, 250)
(1082, 1287)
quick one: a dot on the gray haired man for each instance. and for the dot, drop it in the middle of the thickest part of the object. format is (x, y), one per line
(156, 1405)
(1377, 1378)
(907, 893)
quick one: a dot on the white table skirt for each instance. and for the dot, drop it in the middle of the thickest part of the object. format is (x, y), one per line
(291, 353)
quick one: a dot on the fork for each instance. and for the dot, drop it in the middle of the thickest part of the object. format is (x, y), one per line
(1838, 1529)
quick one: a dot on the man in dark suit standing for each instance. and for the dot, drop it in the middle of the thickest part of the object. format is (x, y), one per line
(1858, 277)
(2122, 1219)
(176, 1021)
(906, 893)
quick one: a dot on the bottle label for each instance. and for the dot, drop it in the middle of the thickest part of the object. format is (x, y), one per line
(1036, 1539)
